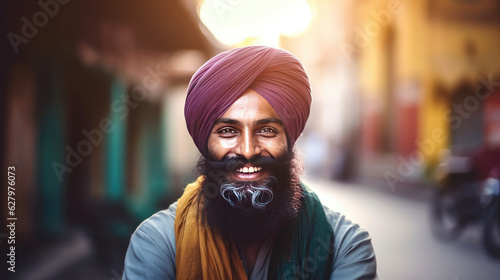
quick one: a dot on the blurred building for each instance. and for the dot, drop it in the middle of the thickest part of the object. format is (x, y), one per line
(396, 81)
(93, 91)
(427, 72)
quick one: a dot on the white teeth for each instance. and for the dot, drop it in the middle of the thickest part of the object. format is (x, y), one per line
(249, 169)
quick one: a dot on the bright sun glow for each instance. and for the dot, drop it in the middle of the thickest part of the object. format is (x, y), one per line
(234, 21)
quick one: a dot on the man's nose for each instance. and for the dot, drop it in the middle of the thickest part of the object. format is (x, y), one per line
(248, 145)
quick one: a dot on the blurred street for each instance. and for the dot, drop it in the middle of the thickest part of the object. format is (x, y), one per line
(404, 246)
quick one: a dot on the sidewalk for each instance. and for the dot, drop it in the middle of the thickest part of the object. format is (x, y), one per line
(396, 176)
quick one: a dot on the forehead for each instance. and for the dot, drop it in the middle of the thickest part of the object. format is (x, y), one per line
(250, 106)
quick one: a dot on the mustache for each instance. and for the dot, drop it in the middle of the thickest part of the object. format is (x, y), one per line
(239, 195)
(219, 169)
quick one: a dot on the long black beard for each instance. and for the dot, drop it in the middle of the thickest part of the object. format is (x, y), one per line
(251, 224)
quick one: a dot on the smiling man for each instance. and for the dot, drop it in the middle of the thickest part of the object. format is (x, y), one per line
(248, 216)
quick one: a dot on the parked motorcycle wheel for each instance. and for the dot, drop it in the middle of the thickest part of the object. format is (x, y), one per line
(491, 233)
(446, 222)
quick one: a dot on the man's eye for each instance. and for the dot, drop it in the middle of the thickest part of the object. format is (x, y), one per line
(268, 131)
(227, 132)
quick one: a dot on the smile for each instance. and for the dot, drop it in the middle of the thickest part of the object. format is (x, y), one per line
(249, 170)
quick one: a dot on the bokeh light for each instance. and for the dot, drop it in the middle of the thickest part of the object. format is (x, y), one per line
(233, 22)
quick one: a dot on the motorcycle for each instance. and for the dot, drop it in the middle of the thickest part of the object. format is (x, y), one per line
(490, 198)
(469, 192)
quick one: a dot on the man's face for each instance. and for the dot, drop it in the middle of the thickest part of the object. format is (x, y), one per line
(256, 175)
(250, 128)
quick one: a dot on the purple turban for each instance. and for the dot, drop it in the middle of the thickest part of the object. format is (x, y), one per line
(277, 75)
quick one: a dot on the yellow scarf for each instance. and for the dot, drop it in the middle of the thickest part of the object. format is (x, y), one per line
(200, 252)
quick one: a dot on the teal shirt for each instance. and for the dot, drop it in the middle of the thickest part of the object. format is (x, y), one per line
(151, 252)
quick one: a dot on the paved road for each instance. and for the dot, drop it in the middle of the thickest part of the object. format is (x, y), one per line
(404, 246)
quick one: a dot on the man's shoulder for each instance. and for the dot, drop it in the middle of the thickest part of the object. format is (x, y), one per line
(152, 246)
(345, 231)
(159, 224)
(341, 225)
(352, 244)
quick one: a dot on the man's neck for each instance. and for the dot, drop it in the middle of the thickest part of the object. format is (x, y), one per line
(250, 253)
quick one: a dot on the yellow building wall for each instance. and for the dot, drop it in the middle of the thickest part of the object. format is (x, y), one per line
(449, 65)
(431, 53)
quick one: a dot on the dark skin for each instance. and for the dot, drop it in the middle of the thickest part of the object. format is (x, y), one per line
(249, 127)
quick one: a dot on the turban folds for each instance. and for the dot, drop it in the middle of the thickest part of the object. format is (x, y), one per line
(277, 75)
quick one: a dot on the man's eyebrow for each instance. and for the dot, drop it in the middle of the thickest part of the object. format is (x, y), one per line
(269, 120)
(227, 121)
